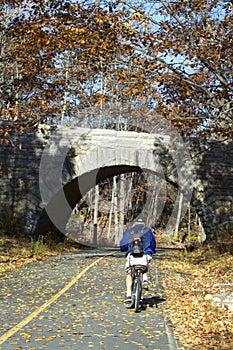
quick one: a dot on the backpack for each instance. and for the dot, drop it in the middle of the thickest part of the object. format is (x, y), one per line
(137, 247)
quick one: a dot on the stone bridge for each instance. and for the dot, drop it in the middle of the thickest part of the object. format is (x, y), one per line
(47, 172)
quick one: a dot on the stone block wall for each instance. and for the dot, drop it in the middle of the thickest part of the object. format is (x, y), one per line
(89, 150)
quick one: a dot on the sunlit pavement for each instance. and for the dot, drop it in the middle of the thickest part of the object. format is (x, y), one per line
(90, 314)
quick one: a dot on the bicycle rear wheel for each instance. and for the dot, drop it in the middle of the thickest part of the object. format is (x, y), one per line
(138, 292)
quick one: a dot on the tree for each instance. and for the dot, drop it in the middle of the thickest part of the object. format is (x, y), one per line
(174, 57)
(189, 56)
(49, 50)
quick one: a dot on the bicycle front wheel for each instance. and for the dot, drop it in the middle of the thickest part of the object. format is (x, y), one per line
(138, 293)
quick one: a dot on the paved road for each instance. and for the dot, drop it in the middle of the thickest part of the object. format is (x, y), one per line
(67, 303)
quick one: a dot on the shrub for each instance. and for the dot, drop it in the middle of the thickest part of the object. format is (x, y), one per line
(11, 222)
(39, 247)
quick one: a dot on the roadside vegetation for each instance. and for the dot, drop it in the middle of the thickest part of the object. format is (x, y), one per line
(20, 249)
(190, 281)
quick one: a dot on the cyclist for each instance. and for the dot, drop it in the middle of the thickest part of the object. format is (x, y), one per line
(138, 229)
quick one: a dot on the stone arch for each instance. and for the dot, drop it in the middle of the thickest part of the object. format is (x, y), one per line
(86, 168)
(87, 151)
(73, 195)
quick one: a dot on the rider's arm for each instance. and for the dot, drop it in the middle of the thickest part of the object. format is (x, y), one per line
(124, 247)
(152, 241)
(124, 243)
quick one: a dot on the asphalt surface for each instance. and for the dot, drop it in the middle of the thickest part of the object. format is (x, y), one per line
(64, 303)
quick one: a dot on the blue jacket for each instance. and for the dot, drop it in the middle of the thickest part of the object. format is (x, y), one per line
(148, 239)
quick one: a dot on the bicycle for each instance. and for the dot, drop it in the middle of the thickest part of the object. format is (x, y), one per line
(138, 267)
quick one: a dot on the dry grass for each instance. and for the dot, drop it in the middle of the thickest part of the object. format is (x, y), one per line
(20, 250)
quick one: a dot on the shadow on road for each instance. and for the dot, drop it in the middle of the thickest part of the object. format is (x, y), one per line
(151, 301)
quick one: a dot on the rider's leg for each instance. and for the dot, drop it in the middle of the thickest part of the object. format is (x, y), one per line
(145, 281)
(128, 278)
(128, 282)
(145, 277)
(145, 273)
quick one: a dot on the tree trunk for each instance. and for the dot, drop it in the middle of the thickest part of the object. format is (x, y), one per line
(96, 207)
(122, 205)
(110, 215)
(65, 96)
(189, 219)
(116, 211)
(179, 215)
(152, 211)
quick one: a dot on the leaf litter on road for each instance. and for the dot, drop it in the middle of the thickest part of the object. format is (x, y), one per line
(90, 314)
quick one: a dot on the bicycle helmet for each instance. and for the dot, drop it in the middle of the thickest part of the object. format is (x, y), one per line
(140, 220)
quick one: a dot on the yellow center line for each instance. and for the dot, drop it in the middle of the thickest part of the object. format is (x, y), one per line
(35, 313)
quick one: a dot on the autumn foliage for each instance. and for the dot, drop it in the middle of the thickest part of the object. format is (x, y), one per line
(60, 58)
